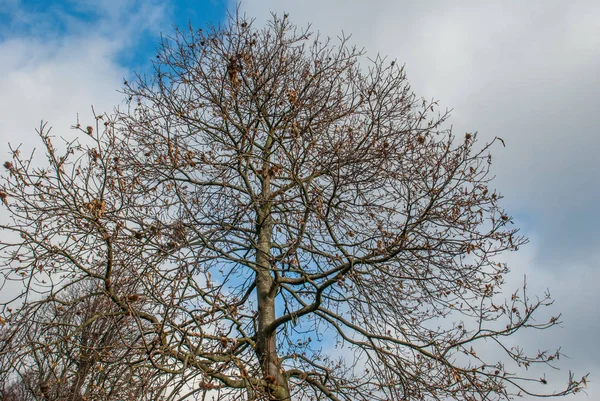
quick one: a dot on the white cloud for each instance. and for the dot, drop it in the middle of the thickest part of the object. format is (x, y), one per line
(53, 82)
(53, 76)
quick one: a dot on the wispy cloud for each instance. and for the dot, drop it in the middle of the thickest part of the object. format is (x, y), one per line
(58, 61)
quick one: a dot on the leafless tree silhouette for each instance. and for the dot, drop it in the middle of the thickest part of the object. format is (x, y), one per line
(73, 347)
(273, 216)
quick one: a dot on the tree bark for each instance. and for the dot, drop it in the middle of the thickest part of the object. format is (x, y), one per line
(266, 288)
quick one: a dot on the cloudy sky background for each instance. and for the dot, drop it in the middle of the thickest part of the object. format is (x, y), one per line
(526, 71)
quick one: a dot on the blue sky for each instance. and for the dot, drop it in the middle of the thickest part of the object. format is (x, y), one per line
(48, 20)
(524, 71)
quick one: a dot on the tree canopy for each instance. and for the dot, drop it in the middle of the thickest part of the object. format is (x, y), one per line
(271, 216)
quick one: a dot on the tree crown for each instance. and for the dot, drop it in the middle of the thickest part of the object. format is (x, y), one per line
(266, 194)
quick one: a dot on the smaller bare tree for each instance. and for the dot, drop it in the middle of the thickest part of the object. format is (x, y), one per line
(72, 347)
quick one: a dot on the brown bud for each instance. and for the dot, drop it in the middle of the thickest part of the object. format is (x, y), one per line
(133, 297)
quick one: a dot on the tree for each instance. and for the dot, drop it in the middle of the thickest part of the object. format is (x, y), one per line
(73, 347)
(264, 198)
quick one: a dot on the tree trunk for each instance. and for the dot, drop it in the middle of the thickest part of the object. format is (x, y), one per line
(266, 288)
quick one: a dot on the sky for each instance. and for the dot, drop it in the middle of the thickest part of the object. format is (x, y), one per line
(526, 71)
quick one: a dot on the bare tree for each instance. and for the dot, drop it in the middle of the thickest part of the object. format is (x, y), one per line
(265, 198)
(72, 347)
(15, 391)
